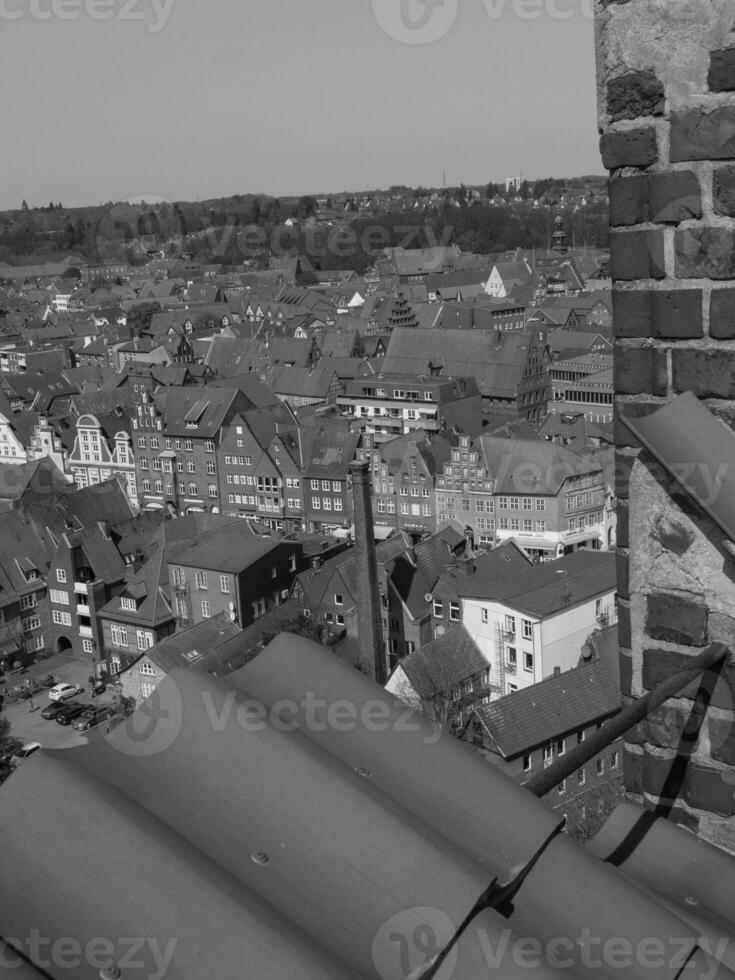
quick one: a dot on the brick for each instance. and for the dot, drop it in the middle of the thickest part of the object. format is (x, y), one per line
(705, 253)
(624, 627)
(637, 255)
(723, 191)
(639, 371)
(629, 148)
(632, 771)
(626, 674)
(628, 200)
(706, 789)
(674, 197)
(623, 466)
(722, 314)
(623, 523)
(632, 314)
(638, 93)
(706, 373)
(660, 664)
(662, 775)
(721, 77)
(722, 740)
(677, 313)
(622, 566)
(675, 619)
(622, 434)
(698, 135)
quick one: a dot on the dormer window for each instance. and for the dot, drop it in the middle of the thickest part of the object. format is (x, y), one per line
(128, 604)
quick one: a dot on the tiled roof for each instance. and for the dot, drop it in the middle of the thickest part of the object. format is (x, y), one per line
(264, 843)
(439, 666)
(557, 706)
(545, 589)
(208, 646)
(150, 587)
(530, 465)
(228, 546)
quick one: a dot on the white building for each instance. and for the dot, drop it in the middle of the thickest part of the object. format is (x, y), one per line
(11, 448)
(534, 620)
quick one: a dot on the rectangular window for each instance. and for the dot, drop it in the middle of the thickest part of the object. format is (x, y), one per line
(527, 629)
(581, 777)
(201, 580)
(205, 609)
(208, 446)
(484, 615)
(614, 760)
(128, 604)
(454, 611)
(61, 618)
(119, 635)
(528, 662)
(28, 601)
(527, 763)
(61, 575)
(438, 608)
(224, 584)
(60, 598)
(88, 646)
(144, 639)
(600, 767)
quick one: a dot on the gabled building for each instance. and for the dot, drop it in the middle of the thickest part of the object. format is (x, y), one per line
(328, 451)
(102, 449)
(530, 621)
(175, 439)
(12, 449)
(528, 731)
(222, 566)
(388, 405)
(549, 499)
(139, 616)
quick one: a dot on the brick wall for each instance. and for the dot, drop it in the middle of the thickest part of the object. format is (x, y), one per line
(666, 98)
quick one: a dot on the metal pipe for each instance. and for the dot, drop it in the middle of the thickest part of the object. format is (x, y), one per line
(712, 657)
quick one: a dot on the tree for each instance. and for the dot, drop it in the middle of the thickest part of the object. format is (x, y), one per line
(139, 318)
(24, 205)
(8, 746)
(306, 207)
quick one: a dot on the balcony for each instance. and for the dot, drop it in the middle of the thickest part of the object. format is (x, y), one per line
(86, 632)
(82, 607)
(81, 588)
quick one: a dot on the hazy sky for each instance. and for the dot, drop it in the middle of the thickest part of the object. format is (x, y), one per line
(186, 99)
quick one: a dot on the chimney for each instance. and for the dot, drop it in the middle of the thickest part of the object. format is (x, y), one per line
(369, 621)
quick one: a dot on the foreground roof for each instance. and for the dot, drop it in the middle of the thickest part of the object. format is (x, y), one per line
(253, 836)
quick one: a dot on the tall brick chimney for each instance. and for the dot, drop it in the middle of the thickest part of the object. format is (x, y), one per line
(369, 623)
(666, 100)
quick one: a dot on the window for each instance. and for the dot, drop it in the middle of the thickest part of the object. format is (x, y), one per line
(188, 445)
(28, 601)
(146, 689)
(158, 486)
(119, 635)
(144, 639)
(528, 662)
(61, 618)
(540, 504)
(560, 746)
(454, 611)
(155, 444)
(510, 624)
(527, 626)
(208, 446)
(614, 760)
(548, 752)
(512, 656)
(581, 777)
(201, 580)
(581, 734)
(88, 646)
(191, 466)
(211, 470)
(205, 609)
(438, 608)
(224, 584)
(128, 604)
(338, 599)
(484, 615)
(213, 490)
(141, 442)
(61, 575)
(60, 598)
(527, 762)
(192, 489)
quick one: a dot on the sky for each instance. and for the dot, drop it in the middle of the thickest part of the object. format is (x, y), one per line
(111, 100)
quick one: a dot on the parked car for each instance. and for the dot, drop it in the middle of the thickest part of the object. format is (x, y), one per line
(93, 717)
(60, 692)
(70, 711)
(24, 753)
(54, 709)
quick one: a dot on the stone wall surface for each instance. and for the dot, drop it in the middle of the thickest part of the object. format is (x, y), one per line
(666, 109)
